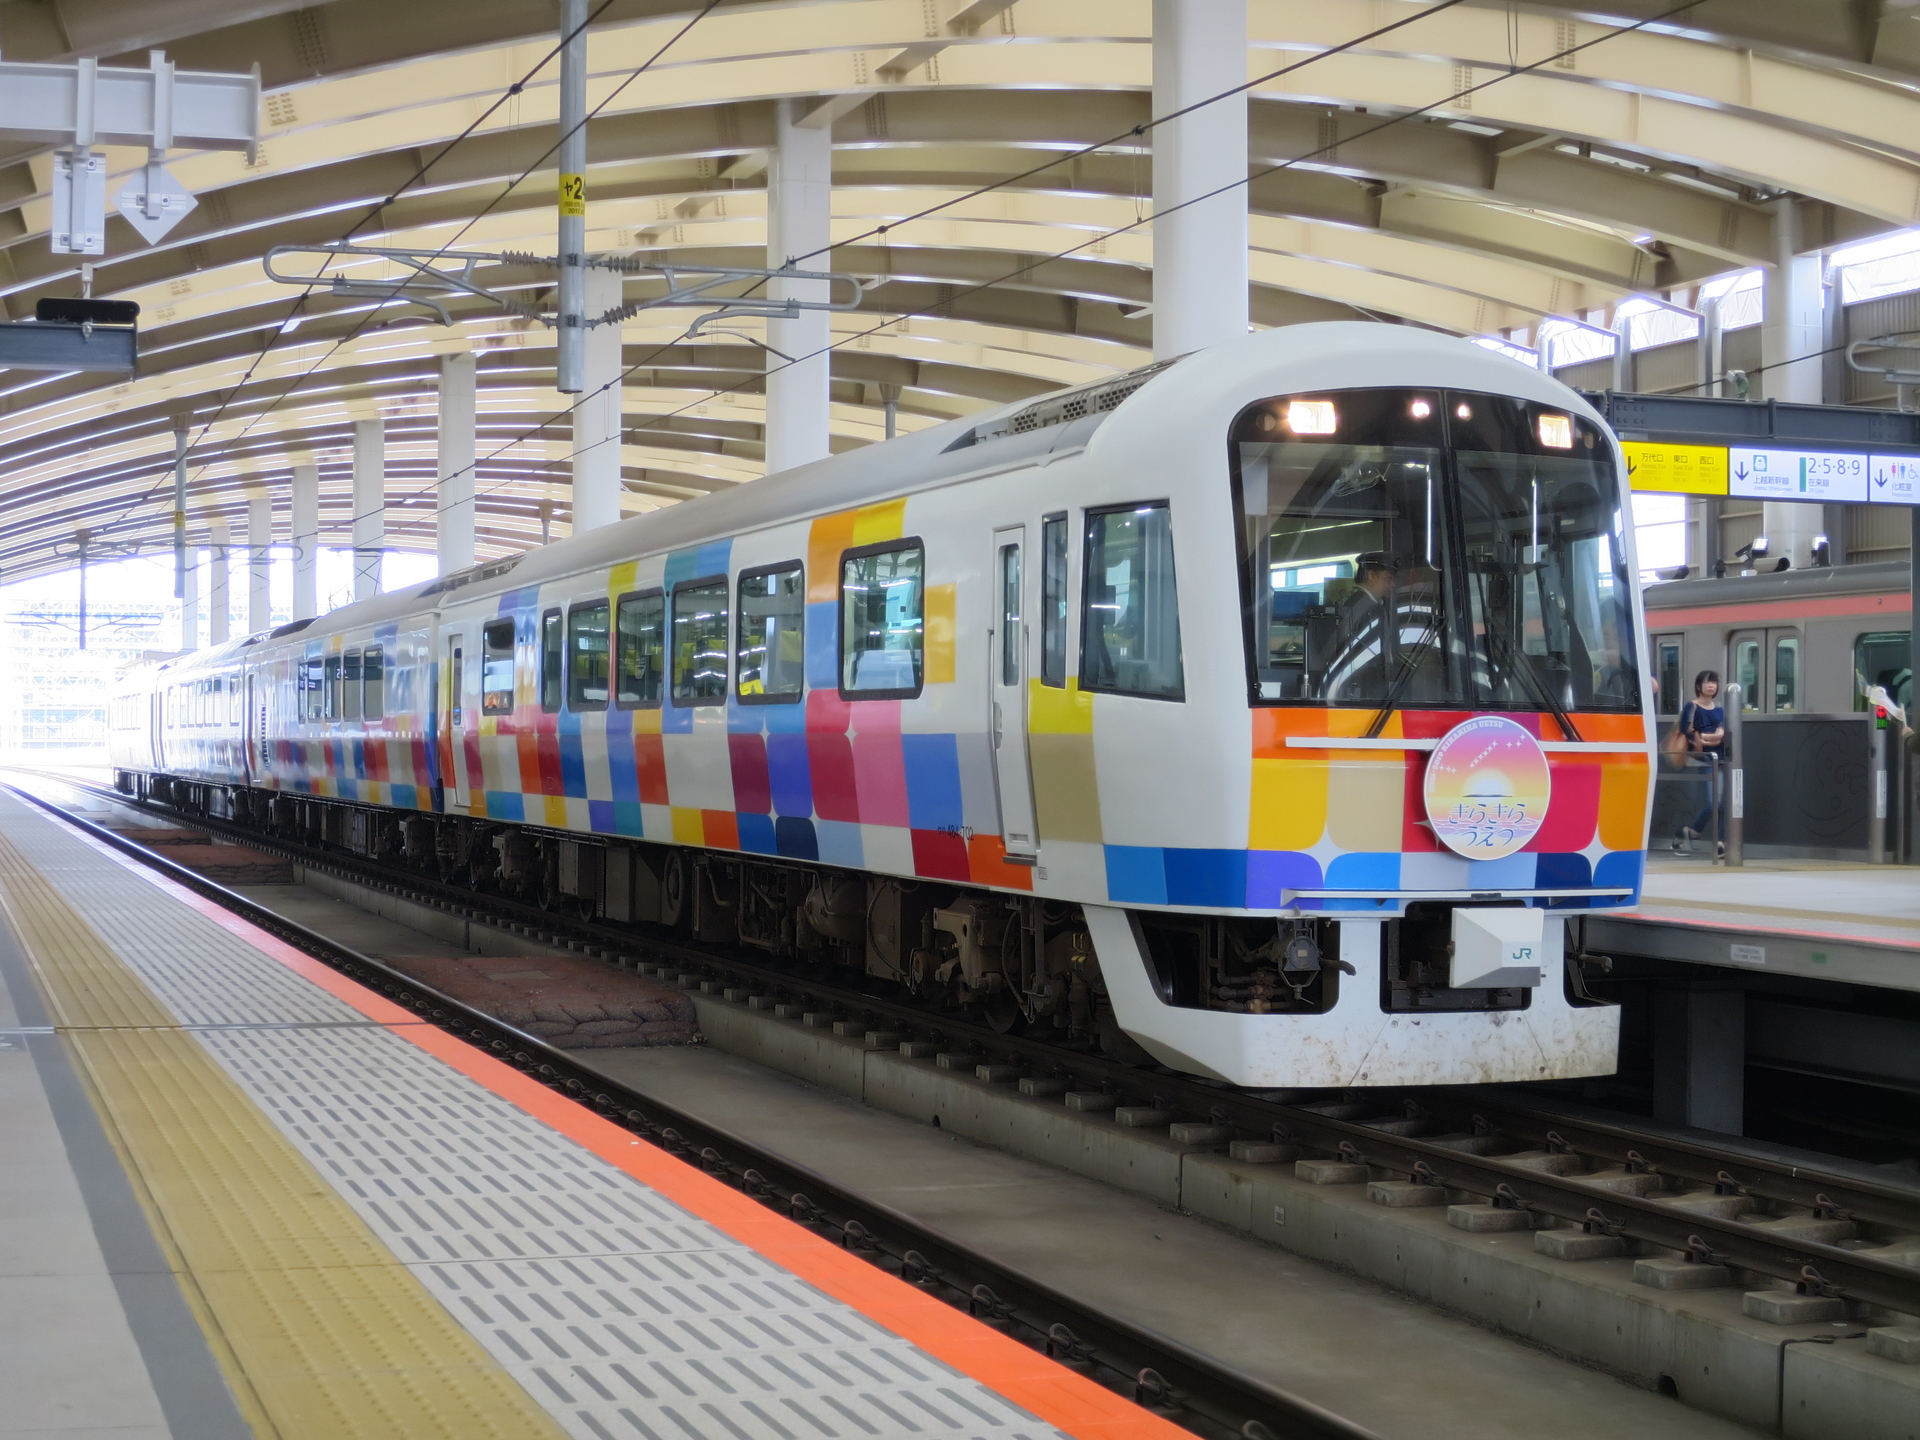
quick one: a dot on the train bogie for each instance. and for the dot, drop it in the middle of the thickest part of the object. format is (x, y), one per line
(1167, 715)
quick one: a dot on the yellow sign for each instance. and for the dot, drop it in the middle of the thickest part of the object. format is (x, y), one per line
(573, 201)
(1676, 469)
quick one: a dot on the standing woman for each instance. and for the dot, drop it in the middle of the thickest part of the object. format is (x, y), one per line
(1703, 724)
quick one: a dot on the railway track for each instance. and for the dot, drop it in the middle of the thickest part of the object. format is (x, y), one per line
(1826, 1231)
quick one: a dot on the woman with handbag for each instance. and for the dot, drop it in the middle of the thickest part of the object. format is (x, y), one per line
(1699, 741)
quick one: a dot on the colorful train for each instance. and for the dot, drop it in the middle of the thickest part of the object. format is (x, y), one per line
(1264, 714)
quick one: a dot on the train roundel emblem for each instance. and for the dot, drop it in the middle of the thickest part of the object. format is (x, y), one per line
(1487, 788)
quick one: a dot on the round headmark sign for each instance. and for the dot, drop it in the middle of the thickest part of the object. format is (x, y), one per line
(1487, 788)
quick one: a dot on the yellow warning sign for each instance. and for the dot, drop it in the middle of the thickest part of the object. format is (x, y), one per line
(573, 201)
(1676, 469)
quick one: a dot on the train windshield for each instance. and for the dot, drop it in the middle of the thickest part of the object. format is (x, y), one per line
(1433, 548)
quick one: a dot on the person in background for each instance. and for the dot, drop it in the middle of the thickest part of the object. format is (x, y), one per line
(1703, 722)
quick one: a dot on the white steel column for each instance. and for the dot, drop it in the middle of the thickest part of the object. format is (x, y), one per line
(369, 505)
(799, 223)
(306, 541)
(1791, 337)
(259, 562)
(570, 339)
(459, 379)
(596, 415)
(189, 598)
(1199, 251)
(219, 601)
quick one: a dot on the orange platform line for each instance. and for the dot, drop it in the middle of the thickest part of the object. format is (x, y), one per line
(1055, 1394)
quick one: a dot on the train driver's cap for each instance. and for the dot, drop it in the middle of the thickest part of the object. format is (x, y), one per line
(1374, 560)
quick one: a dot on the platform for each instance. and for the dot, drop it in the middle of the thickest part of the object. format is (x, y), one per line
(247, 1197)
(1858, 924)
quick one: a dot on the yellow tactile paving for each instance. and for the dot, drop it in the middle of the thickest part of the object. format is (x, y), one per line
(321, 1331)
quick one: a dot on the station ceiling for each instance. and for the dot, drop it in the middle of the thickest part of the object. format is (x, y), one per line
(1639, 160)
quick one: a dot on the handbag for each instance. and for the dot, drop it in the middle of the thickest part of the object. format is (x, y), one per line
(1678, 744)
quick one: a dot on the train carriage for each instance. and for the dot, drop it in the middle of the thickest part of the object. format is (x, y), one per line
(1264, 714)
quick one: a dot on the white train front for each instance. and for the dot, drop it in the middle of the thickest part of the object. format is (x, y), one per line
(1263, 714)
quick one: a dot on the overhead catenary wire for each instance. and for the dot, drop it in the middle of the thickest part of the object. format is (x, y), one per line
(1034, 263)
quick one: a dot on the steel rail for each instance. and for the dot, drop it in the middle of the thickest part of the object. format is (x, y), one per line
(1813, 1265)
(1162, 1374)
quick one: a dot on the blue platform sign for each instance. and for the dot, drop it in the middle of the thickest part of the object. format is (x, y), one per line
(1818, 475)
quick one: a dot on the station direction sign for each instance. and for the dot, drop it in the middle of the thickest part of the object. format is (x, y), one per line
(1764, 473)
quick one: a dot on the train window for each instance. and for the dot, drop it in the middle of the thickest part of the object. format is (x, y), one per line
(700, 643)
(772, 642)
(1881, 658)
(312, 687)
(350, 685)
(640, 658)
(1009, 626)
(1053, 600)
(552, 657)
(373, 683)
(588, 657)
(496, 668)
(330, 690)
(1667, 672)
(1786, 674)
(882, 621)
(1746, 672)
(1130, 606)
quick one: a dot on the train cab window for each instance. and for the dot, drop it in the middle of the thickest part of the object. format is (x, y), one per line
(373, 683)
(640, 655)
(1881, 658)
(589, 657)
(496, 668)
(1053, 600)
(883, 621)
(1667, 672)
(330, 690)
(700, 643)
(772, 644)
(350, 685)
(553, 653)
(1130, 606)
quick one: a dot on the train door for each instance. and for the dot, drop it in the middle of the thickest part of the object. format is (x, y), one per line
(250, 736)
(1007, 655)
(1766, 666)
(459, 717)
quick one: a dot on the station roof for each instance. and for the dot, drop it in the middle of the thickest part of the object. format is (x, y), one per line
(1638, 149)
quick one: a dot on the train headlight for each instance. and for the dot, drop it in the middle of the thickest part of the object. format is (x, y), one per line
(1557, 431)
(1312, 417)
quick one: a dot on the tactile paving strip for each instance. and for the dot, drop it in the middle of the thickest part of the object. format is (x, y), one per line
(625, 1314)
(621, 1313)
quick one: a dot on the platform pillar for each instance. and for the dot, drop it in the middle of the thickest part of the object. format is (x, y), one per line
(1700, 1056)
(219, 599)
(259, 563)
(189, 600)
(1199, 250)
(369, 505)
(306, 541)
(799, 223)
(459, 383)
(1792, 334)
(597, 414)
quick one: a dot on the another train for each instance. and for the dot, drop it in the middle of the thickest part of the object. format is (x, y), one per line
(1264, 714)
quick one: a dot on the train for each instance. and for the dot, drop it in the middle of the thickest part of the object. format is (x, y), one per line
(1265, 714)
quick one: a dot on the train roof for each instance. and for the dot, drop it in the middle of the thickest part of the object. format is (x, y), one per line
(1875, 578)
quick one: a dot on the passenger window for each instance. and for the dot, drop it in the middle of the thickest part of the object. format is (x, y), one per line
(330, 691)
(587, 657)
(1746, 673)
(700, 643)
(373, 687)
(772, 642)
(552, 657)
(496, 668)
(1053, 600)
(1786, 674)
(312, 688)
(882, 621)
(1667, 650)
(1130, 609)
(641, 657)
(350, 685)
(1880, 658)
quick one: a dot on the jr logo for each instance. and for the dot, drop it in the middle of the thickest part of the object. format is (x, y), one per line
(1523, 952)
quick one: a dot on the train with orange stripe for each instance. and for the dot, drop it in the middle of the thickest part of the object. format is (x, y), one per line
(1264, 714)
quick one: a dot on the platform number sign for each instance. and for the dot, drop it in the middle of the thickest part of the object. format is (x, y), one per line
(573, 195)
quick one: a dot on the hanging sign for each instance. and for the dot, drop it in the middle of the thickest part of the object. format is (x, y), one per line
(1676, 469)
(1822, 475)
(1894, 480)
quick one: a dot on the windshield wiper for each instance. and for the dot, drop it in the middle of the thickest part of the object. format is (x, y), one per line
(1533, 682)
(1407, 665)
